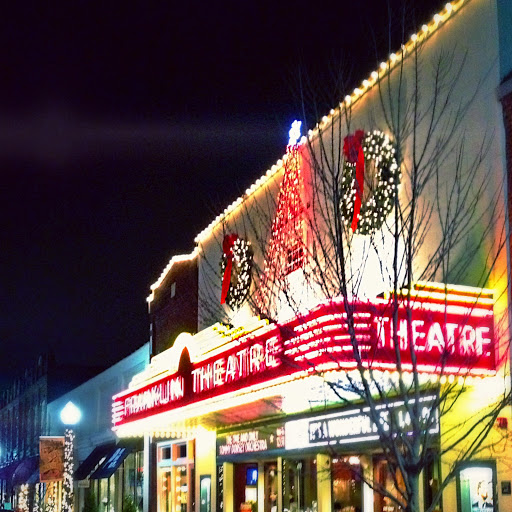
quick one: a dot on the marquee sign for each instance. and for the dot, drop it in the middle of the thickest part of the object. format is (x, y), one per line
(450, 333)
(251, 441)
(355, 425)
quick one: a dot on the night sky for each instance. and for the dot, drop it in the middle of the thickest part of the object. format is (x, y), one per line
(126, 127)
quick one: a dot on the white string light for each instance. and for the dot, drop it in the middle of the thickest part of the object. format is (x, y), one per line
(67, 484)
(421, 35)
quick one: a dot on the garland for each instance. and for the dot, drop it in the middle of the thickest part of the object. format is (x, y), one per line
(236, 268)
(366, 215)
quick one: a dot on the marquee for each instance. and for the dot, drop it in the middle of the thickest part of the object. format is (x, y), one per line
(448, 333)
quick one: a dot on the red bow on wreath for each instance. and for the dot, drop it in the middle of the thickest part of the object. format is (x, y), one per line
(227, 249)
(353, 151)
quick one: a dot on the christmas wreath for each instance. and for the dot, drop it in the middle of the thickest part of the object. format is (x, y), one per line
(236, 267)
(368, 184)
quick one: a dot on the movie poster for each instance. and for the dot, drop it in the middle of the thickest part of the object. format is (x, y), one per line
(477, 489)
(51, 458)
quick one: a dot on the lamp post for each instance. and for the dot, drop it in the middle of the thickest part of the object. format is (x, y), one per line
(70, 416)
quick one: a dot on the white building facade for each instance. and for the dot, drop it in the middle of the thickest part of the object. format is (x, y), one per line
(361, 283)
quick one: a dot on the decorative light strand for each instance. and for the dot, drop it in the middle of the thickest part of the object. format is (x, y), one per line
(51, 502)
(174, 260)
(378, 149)
(242, 267)
(38, 498)
(286, 248)
(67, 484)
(23, 498)
(385, 67)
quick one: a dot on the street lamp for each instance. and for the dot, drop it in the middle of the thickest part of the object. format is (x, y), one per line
(70, 416)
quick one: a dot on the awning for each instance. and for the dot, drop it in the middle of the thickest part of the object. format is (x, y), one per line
(25, 470)
(92, 461)
(113, 460)
(7, 471)
(34, 478)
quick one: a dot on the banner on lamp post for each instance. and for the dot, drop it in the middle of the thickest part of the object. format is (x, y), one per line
(51, 458)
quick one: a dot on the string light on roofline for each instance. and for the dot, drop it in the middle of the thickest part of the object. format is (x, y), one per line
(426, 30)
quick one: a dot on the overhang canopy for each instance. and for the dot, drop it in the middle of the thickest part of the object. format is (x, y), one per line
(112, 461)
(25, 470)
(92, 461)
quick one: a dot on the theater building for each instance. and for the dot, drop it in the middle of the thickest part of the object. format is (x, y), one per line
(326, 330)
(238, 416)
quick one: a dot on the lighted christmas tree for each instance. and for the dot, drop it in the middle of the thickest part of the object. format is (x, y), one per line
(286, 249)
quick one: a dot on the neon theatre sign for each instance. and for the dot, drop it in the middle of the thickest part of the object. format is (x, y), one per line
(451, 333)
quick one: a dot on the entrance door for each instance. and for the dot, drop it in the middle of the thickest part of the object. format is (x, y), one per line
(270, 478)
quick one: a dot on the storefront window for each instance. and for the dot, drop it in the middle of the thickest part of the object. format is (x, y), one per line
(107, 494)
(299, 485)
(346, 485)
(384, 477)
(476, 489)
(133, 477)
(431, 482)
(245, 490)
(104, 495)
(175, 478)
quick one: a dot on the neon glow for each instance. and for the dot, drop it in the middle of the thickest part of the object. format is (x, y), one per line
(448, 340)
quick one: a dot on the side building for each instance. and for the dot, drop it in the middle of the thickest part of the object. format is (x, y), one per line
(23, 418)
(109, 471)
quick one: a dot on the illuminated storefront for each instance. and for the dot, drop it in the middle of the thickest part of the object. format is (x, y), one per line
(231, 411)
(247, 415)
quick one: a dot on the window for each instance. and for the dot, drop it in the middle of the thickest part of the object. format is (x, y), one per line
(299, 484)
(346, 485)
(383, 474)
(175, 477)
(295, 250)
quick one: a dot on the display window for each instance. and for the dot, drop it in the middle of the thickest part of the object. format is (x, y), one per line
(384, 477)
(346, 484)
(134, 477)
(246, 476)
(299, 485)
(476, 488)
(106, 492)
(175, 477)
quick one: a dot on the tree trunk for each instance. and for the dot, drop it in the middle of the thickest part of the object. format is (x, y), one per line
(414, 502)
